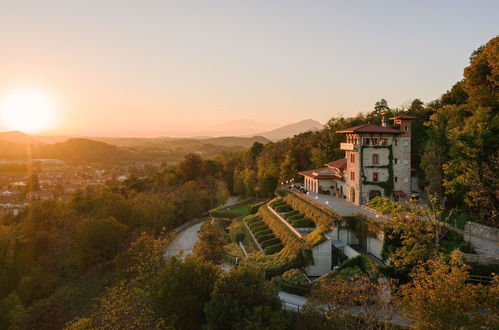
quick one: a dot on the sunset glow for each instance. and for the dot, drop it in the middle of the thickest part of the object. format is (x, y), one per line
(27, 110)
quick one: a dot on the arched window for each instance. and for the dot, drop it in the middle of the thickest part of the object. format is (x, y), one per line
(375, 159)
(375, 177)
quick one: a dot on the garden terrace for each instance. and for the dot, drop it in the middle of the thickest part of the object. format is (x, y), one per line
(321, 215)
(264, 236)
(298, 220)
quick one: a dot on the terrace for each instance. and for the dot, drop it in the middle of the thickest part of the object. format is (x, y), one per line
(337, 205)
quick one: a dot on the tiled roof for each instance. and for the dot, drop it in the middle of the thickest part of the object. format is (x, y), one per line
(320, 173)
(339, 163)
(370, 128)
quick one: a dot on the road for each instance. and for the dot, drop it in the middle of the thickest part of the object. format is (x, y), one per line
(183, 242)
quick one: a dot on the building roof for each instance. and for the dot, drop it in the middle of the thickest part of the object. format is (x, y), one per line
(370, 128)
(407, 117)
(339, 163)
(323, 173)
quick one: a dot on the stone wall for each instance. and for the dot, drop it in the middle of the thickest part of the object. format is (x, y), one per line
(482, 230)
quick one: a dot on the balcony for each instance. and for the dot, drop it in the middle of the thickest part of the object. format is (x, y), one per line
(347, 146)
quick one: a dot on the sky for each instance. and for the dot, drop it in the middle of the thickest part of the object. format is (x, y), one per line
(173, 68)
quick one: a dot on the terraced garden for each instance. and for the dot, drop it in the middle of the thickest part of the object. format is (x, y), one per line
(264, 235)
(292, 216)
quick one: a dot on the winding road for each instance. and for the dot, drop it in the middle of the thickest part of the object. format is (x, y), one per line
(183, 243)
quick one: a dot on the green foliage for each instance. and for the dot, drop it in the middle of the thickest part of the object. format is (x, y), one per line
(283, 208)
(384, 205)
(303, 223)
(210, 243)
(273, 249)
(269, 242)
(237, 295)
(254, 207)
(182, 288)
(317, 213)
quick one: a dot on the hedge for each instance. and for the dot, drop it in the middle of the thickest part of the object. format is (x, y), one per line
(296, 217)
(258, 227)
(273, 249)
(254, 208)
(270, 242)
(283, 208)
(287, 237)
(289, 214)
(263, 231)
(303, 223)
(264, 237)
(319, 214)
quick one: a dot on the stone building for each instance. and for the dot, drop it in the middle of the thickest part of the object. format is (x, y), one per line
(377, 163)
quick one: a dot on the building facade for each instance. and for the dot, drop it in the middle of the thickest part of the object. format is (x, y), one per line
(377, 162)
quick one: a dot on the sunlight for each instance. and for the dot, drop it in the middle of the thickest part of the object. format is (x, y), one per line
(27, 110)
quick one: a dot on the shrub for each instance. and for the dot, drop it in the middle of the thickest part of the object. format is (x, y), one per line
(290, 214)
(283, 208)
(262, 232)
(319, 214)
(273, 249)
(254, 208)
(296, 217)
(303, 223)
(255, 227)
(383, 205)
(262, 238)
(270, 242)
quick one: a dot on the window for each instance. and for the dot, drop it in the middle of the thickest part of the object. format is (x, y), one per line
(367, 141)
(406, 128)
(352, 175)
(396, 179)
(395, 141)
(375, 159)
(375, 141)
(395, 160)
(375, 177)
(352, 158)
(384, 141)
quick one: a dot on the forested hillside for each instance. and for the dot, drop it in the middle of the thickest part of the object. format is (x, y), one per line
(454, 147)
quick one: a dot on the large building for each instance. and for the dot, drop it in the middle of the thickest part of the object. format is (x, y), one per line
(377, 163)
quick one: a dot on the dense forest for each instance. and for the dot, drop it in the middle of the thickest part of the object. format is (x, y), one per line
(97, 260)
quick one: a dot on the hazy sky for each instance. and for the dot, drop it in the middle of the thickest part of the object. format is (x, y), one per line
(183, 67)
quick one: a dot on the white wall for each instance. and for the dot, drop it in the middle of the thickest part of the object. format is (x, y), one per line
(322, 255)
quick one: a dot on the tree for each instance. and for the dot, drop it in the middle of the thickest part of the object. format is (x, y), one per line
(353, 302)
(237, 295)
(210, 244)
(439, 297)
(181, 290)
(380, 107)
(191, 167)
(99, 240)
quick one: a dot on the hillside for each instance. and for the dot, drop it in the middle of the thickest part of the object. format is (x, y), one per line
(18, 137)
(72, 150)
(191, 144)
(292, 129)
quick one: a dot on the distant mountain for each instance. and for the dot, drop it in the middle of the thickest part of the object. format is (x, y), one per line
(18, 137)
(191, 144)
(292, 130)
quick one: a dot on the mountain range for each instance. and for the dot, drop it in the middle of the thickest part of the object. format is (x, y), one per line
(18, 145)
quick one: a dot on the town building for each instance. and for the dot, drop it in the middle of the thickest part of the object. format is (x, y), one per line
(377, 162)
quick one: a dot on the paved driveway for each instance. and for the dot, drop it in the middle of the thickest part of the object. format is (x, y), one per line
(184, 242)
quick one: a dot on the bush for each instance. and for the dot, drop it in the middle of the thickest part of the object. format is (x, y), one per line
(319, 214)
(283, 208)
(290, 214)
(303, 223)
(270, 242)
(295, 217)
(273, 249)
(262, 232)
(255, 227)
(254, 208)
(383, 205)
(264, 237)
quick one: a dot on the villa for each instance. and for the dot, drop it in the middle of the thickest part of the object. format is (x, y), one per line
(377, 162)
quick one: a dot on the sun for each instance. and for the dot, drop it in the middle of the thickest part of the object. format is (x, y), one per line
(27, 110)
